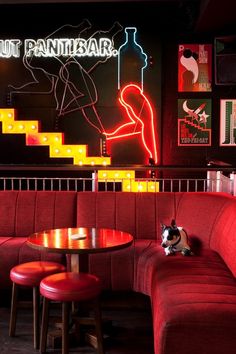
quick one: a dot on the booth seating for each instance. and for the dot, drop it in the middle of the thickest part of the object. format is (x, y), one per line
(70, 287)
(29, 275)
(193, 298)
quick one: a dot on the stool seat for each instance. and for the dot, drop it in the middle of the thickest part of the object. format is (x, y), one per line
(31, 273)
(69, 286)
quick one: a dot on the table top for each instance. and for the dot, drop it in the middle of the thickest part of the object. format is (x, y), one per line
(80, 240)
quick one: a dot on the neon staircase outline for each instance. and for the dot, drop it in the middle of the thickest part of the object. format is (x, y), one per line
(57, 149)
(33, 137)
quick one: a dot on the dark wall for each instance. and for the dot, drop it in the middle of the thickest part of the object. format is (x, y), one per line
(161, 27)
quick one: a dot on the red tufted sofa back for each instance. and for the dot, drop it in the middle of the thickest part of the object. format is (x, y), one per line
(205, 216)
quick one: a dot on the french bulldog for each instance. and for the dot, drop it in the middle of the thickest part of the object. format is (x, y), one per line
(175, 239)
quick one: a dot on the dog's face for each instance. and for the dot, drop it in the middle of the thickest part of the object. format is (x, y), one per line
(169, 234)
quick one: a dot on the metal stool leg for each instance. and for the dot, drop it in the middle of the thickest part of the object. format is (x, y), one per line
(36, 316)
(14, 310)
(98, 324)
(65, 327)
(44, 326)
(13, 315)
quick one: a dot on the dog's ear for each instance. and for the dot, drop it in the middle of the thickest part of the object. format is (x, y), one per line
(162, 226)
(173, 223)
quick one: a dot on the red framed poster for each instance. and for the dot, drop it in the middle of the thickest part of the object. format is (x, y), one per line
(195, 68)
(194, 122)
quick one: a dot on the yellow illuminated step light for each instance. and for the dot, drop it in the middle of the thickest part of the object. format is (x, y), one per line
(30, 128)
(127, 178)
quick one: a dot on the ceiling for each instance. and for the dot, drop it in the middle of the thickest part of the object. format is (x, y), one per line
(212, 15)
(217, 15)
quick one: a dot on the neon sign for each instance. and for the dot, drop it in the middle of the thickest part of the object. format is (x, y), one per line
(132, 50)
(10, 48)
(78, 47)
(141, 119)
(58, 47)
(71, 82)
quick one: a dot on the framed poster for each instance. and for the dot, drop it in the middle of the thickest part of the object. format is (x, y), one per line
(228, 122)
(194, 122)
(195, 68)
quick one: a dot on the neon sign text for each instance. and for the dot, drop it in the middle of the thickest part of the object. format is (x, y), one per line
(10, 48)
(77, 47)
(56, 47)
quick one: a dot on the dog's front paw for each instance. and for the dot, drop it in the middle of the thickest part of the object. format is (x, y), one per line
(169, 251)
(186, 252)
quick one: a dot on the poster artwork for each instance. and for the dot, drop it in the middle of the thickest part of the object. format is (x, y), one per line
(194, 68)
(194, 122)
(228, 122)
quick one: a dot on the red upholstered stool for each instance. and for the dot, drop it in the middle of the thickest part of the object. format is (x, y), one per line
(69, 287)
(30, 274)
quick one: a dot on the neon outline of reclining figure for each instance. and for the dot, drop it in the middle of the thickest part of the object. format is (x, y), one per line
(52, 77)
(69, 86)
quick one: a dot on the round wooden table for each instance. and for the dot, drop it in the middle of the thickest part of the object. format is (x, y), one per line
(79, 242)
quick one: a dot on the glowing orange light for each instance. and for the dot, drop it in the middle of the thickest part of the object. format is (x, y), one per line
(128, 181)
(115, 175)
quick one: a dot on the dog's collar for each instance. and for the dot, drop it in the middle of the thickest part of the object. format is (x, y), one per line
(178, 241)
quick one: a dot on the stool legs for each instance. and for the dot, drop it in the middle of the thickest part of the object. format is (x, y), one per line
(65, 326)
(13, 314)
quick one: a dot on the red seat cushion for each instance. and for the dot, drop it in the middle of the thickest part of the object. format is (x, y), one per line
(70, 286)
(193, 304)
(31, 273)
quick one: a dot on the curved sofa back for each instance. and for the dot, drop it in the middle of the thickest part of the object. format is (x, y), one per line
(23, 213)
(141, 214)
(199, 213)
(137, 213)
(223, 239)
(208, 218)
(26, 212)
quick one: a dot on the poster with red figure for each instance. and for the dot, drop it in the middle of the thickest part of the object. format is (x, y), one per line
(195, 68)
(194, 122)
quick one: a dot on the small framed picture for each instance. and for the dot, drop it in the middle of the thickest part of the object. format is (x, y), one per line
(228, 122)
(195, 68)
(194, 122)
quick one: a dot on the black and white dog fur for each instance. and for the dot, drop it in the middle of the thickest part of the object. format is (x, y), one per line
(175, 239)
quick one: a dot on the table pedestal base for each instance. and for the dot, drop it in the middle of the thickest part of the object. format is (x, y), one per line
(55, 339)
(79, 263)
